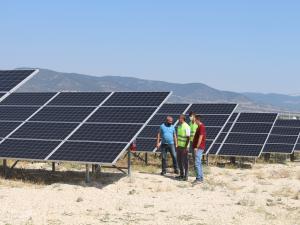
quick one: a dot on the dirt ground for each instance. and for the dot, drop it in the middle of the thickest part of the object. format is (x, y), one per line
(264, 194)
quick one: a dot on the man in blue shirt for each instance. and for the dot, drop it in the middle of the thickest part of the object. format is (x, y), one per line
(167, 136)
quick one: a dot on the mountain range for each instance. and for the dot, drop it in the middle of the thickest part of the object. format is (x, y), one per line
(49, 80)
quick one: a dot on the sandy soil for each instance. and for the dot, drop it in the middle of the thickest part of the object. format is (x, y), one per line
(266, 194)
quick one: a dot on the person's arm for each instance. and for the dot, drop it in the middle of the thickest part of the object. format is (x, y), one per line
(158, 140)
(175, 140)
(188, 134)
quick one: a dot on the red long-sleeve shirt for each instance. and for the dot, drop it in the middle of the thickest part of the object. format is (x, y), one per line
(201, 130)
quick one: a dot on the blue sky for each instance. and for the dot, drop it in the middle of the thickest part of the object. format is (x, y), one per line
(231, 45)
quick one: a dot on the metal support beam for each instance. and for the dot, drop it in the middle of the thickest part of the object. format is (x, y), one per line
(129, 163)
(146, 158)
(4, 167)
(15, 163)
(87, 173)
(53, 166)
(292, 157)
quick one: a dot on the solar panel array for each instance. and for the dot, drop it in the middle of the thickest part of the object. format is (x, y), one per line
(247, 135)
(10, 80)
(283, 137)
(219, 140)
(215, 117)
(146, 141)
(87, 127)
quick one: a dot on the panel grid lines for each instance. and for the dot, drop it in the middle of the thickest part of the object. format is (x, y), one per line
(284, 137)
(247, 138)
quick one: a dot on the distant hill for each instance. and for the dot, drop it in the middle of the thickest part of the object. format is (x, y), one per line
(287, 102)
(48, 80)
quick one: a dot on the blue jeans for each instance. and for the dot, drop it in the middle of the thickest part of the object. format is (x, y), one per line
(165, 148)
(198, 164)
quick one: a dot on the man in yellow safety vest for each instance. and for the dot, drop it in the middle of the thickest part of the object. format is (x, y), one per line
(183, 142)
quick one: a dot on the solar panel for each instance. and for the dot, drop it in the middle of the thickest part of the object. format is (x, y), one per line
(248, 135)
(149, 132)
(121, 114)
(56, 127)
(92, 152)
(257, 117)
(240, 150)
(147, 138)
(159, 119)
(245, 138)
(32, 99)
(16, 113)
(79, 98)
(62, 114)
(11, 79)
(7, 127)
(283, 137)
(205, 109)
(44, 130)
(26, 149)
(214, 116)
(252, 127)
(106, 132)
(173, 109)
(136, 99)
(145, 145)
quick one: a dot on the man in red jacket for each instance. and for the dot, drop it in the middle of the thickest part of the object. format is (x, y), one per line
(199, 147)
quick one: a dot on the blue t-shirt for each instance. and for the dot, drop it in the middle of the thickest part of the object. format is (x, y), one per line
(167, 134)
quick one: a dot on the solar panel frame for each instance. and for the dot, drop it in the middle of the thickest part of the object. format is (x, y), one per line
(61, 142)
(176, 122)
(243, 145)
(291, 129)
(32, 74)
(230, 115)
(103, 104)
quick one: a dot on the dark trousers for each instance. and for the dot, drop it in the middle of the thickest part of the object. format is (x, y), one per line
(165, 148)
(183, 161)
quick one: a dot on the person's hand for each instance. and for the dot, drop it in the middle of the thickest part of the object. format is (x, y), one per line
(158, 145)
(195, 150)
(176, 145)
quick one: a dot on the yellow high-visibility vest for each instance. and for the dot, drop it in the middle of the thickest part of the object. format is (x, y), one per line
(181, 134)
(193, 127)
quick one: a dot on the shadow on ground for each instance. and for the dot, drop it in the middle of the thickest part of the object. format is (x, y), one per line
(47, 177)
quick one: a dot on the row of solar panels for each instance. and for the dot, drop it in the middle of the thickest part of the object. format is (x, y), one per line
(99, 127)
(69, 126)
(230, 133)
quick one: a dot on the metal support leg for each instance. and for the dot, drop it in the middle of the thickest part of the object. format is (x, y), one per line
(146, 158)
(87, 173)
(129, 163)
(53, 166)
(292, 157)
(4, 167)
